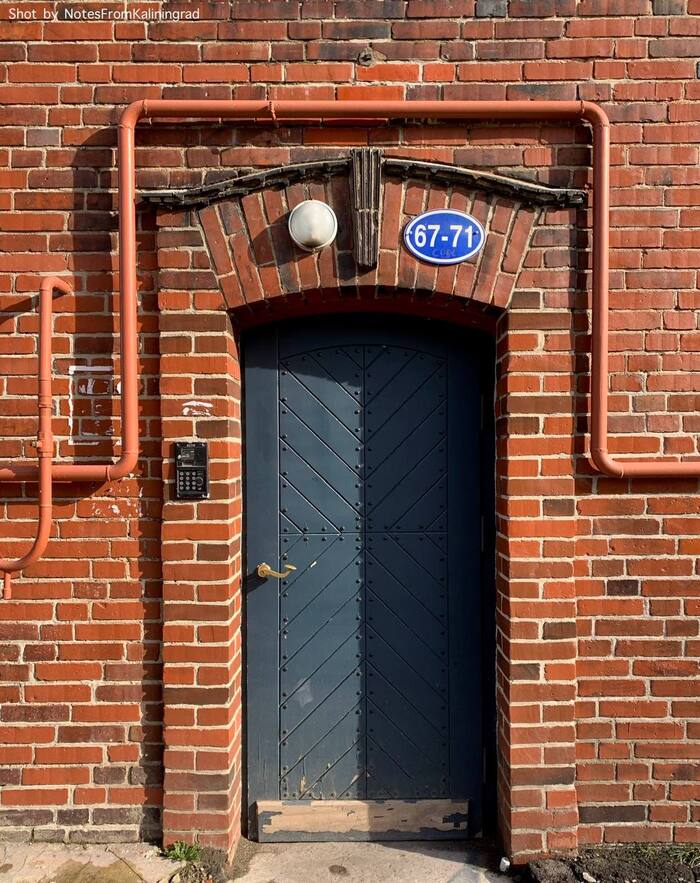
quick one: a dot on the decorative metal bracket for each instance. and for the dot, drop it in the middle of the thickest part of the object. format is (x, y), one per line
(365, 166)
(253, 180)
(366, 172)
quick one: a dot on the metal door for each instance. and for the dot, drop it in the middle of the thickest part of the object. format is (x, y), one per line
(363, 471)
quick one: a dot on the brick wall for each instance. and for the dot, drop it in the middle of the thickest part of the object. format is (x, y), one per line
(598, 617)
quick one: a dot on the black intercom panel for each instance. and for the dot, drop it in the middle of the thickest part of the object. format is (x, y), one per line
(191, 470)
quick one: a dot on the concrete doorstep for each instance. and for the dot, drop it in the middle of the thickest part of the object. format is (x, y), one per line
(405, 862)
(400, 862)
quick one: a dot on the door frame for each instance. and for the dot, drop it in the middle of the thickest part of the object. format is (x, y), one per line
(486, 344)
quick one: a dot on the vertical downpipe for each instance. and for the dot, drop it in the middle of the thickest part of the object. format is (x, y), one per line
(600, 299)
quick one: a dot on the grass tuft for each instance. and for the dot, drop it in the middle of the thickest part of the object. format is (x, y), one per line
(183, 852)
(687, 854)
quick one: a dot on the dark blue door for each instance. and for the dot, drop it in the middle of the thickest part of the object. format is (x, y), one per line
(364, 472)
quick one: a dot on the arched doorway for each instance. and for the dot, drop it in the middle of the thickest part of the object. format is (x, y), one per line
(225, 268)
(370, 666)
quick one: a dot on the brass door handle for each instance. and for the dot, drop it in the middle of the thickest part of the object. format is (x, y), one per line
(264, 570)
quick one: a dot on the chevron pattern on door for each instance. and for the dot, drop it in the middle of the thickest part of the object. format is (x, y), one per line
(362, 453)
(366, 638)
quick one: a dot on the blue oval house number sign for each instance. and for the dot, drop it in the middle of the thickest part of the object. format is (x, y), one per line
(443, 236)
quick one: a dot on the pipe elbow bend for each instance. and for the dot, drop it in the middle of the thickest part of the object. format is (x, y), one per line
(594, 114)
(132, 113)
(604, 463)
(123, 467)
(49, 284)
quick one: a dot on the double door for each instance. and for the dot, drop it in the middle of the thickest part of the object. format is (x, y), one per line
(364, 653)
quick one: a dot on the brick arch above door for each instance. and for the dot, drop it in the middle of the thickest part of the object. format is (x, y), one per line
(247, 248)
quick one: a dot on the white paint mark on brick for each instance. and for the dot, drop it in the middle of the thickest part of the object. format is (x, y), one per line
(83, 437)
(197, 409)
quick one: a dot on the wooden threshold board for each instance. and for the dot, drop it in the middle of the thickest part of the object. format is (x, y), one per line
(310, 820)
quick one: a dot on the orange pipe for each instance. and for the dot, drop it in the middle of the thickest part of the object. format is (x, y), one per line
(354, 113)
(44, 444)
(583, 111)
(128, 334)
(600, 312)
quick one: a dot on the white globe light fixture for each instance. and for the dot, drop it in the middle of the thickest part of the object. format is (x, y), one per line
(312, 224)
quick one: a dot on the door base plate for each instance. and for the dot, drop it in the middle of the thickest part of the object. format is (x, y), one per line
(313, 820)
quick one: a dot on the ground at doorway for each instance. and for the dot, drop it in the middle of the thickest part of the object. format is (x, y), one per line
(417, 862)
(73, 863)
(414, 862)
(641, 863)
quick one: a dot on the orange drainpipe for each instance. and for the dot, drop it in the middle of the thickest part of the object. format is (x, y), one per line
(44, 444)
(363, 112)
(358, 112)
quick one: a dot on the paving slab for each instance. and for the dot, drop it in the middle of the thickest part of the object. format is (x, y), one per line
(419, 862)
(406, 862)
(67, 863)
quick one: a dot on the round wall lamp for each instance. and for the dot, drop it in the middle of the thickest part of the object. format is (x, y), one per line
(312, 224)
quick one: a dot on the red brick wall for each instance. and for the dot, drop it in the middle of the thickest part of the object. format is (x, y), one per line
(202, 645)
(598, 619)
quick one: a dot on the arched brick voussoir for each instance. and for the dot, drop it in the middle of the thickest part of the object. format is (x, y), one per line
(251, 252)
(508, 236)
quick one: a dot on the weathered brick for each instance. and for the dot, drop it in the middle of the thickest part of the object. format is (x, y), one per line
(597, 574)
(669, 7)
(491, 8)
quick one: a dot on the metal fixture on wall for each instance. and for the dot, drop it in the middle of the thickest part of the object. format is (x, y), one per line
(358, 113)
(367, 203)
(312, 224)
(397, 167)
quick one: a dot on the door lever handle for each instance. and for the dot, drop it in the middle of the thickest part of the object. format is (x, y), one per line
(264, 570)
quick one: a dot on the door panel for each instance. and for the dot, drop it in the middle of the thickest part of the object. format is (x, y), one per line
(364, 667)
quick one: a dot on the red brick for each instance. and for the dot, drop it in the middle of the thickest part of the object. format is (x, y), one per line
(596, 574)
